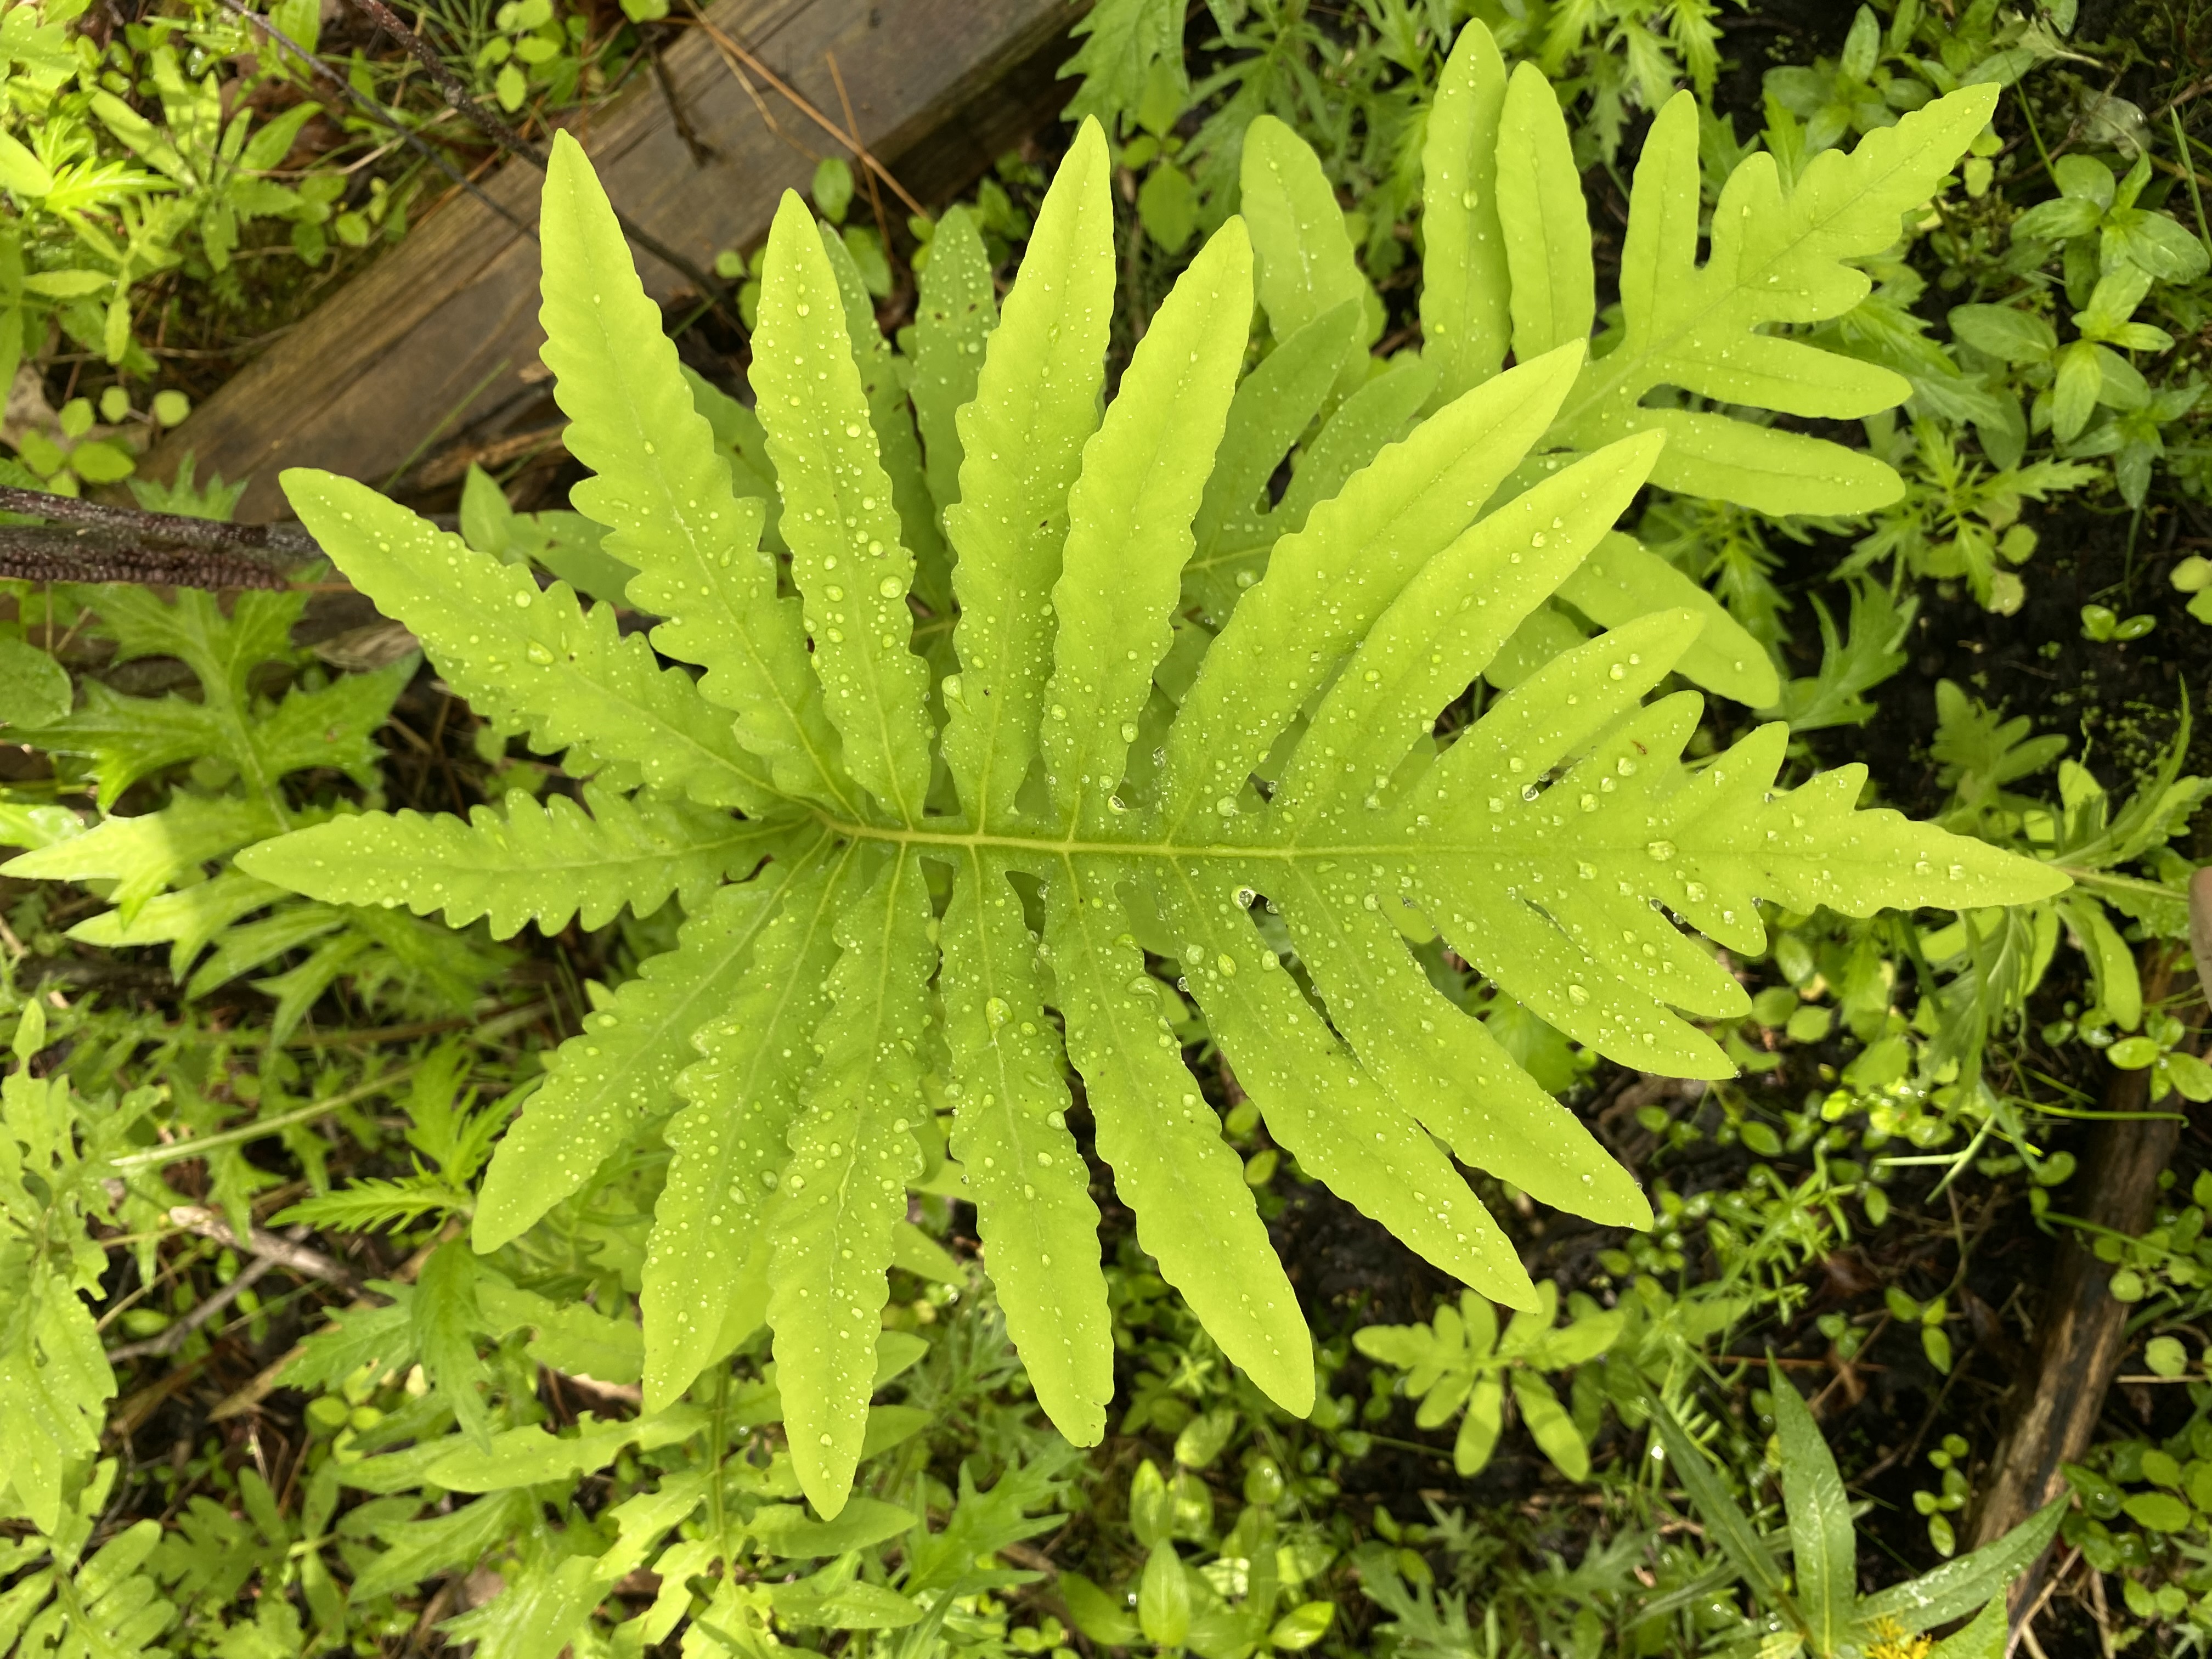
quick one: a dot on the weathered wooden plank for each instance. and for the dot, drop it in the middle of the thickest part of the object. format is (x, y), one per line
(442, 329)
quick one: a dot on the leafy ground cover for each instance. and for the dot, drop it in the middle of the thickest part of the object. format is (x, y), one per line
(261, 1396)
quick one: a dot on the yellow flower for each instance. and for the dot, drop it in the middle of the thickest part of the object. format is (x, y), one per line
(1890, 1642)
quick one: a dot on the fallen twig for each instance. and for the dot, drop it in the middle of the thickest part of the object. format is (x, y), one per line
(171, 1340)
(285, 1252)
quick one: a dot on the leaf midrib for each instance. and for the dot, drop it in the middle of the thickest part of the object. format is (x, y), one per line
(1068, 844)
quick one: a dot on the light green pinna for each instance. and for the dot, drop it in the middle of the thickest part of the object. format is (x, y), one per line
(1010, 706)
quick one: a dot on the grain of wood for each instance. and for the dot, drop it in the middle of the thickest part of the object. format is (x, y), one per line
(441, 332)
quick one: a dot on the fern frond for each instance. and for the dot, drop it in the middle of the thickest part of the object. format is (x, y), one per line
(1302, 257)
(853, 1151)
(1032, 1186)
(847, 557)
(662, 488)
(1195, 1213)
(1777, 257)
(533, 656)
(522, 863)
(954, 315)
(1021, 442)
(729, 1138)
(1545, 225)
(1150, 786)
(368, 1203)
(622, 1067)
(144, 854)
(1128, 532)
(1467, 284)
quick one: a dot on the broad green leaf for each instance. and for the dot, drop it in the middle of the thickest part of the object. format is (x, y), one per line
(423, 1549)
(1129, 516)
(34, 689)
(144, 854)
(1823, 1547)
(532, 1457)
(954, 316)
(1778, 256)
(529, 656)
(1024, 1172)
(570, 1336)
(843, 1603)
(1549, 1426)
(1982, 1637)
(1466, 319)
(609, 1081)
(525, 863)
(1957, 1588)
(662, 488)
(1621, 580)
(729, 1140)
(890, 416)
(853, 1149)
(1543, 221)
(1725, 1522)
(1022, 446)
(1195, 1213)
(1273, 407)
(786, 1530)
(1479, 1429)
(1303, 257)
(1312, 1093)
(187, 920)
(2117, 983)
(1371, 417)
(1289, 765)
(1289, 633)
(848, 558)
(444, 1320)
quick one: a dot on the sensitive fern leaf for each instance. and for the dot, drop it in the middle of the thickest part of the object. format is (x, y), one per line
(526, 863)
(1130, 794)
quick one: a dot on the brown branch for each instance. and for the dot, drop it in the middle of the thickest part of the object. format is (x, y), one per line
(867, 174)
(173, 1338)
(92, 541)
(2080, 1329)
(287, 543)
(40, 555)
(284, 1251)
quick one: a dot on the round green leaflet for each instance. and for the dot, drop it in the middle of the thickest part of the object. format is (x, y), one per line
(1099, 793)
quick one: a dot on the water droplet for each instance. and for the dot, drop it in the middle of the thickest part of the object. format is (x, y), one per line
(1661, 850)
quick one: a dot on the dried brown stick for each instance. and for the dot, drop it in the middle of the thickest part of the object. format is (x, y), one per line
(279, 1253)
(867, 174)
(851, 141)
(2081, 1330)
(285, 1252)
(284, 544)
(38, 555)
